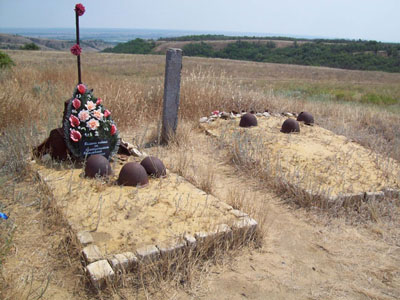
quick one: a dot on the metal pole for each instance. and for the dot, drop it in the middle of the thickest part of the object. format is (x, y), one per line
(77, 41)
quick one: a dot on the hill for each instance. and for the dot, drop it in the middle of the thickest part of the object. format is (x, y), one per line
(8, 41)
(344, 54)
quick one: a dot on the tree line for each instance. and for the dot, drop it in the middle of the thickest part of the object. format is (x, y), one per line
(345, 54)
(355, 56)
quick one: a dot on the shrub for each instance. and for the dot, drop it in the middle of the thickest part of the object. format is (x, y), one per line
(137, 46)
(5, 61)
(30, 46)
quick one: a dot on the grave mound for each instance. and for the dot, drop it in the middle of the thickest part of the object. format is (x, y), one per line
(315, 162)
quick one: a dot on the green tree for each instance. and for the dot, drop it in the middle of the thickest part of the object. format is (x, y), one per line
(137, 46)
(30, 46)
(198, 49)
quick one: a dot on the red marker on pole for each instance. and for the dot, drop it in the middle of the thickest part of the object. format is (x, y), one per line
(76, 49)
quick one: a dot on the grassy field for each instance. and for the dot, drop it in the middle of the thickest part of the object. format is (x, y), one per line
(305, 253)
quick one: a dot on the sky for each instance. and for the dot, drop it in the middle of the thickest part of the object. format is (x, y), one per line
(351, 19)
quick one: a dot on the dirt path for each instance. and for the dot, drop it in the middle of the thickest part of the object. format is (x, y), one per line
(304, 256)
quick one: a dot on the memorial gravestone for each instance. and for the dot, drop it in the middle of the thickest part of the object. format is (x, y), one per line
(88, 127)
(172, 85)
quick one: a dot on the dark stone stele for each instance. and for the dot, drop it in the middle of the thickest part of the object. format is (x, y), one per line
(133, 174)
(306, 117)
(97, 165)
(290, 125)
(154, 166)
(248, 120)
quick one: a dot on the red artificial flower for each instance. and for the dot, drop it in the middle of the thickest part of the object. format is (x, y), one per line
(80, 9)
(74, 121)
(113, 129)
(81, 88)
(76, 50)
(76, 103)
(98, 102)
(75, 135)
(106, 113)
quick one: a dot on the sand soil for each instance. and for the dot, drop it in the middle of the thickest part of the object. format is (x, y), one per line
(123, 218)
(315, 159)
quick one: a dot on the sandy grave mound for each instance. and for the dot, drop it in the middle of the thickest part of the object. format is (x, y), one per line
(315, 159)
(126, 218)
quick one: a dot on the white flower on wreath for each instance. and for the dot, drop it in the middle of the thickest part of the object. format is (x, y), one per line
(83, 115)
(98, 114)
(93, 124)
(90, 105)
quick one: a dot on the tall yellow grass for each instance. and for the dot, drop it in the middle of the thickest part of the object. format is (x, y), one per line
(32, 94)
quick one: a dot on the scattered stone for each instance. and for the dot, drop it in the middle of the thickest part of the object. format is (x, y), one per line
(288, 114)
(225, 115)
(131, 149)
(378, 196)
(203, 120)
(209, 239)
(124, 262)
(391, 193)
(222, 205)
(99, 272)
(135, 152)
(205, 240)
(259, 114)
(92, 253)
(190, 240)
(223, 231)
(171, 249)
(244, 228)
(351, 199)
(85, 238)
(238, 213)
(147, 254)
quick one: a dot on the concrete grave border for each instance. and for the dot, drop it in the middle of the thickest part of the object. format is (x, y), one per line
(101, 268)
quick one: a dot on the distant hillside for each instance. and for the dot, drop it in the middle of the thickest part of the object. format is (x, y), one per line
(8, 41)
(340, 53)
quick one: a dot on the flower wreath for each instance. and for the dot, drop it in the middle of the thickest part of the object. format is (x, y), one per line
(87, 119)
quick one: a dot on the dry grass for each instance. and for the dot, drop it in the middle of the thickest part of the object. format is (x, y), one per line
(32, 96)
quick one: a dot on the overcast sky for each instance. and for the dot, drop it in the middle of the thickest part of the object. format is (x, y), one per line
(351, 19)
